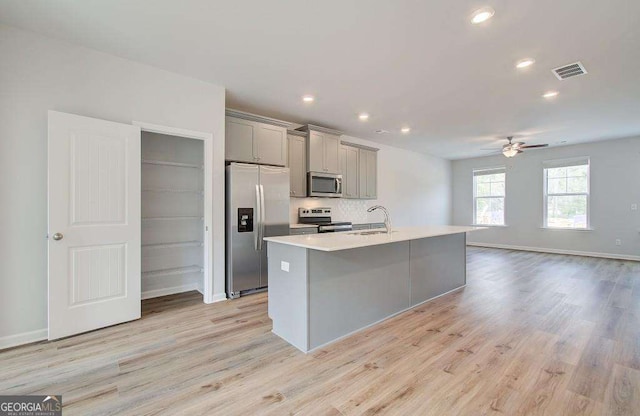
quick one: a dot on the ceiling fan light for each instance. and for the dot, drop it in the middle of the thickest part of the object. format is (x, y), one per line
(509, 151)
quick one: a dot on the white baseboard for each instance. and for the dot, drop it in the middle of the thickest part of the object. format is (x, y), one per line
(557, 251)
(156, 293)
(218, 297)
(23, 338)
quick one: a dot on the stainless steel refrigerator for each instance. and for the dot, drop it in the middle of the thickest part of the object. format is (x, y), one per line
(257, 206)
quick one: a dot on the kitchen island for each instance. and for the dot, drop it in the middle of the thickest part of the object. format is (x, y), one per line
(323, 287)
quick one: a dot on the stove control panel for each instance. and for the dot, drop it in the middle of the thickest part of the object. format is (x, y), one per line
(314, 212)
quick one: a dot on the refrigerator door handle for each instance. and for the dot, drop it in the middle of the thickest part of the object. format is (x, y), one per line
(262, 215)
(258, 225)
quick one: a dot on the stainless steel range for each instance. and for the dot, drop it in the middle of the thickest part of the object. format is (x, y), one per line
(322, 218)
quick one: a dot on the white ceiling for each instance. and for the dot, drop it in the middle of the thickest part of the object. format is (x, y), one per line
(419, 63)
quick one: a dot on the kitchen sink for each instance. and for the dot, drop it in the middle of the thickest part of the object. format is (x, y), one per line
(370, 232)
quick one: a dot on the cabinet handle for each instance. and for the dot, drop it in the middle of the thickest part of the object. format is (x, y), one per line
(293, 192)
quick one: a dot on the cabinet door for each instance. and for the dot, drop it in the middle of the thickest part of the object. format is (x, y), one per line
(239, 143)
(372, 174)
(349, 170)
(368, 170)
(297, 166)
(331, 153)
(271, 145)
(316, 152)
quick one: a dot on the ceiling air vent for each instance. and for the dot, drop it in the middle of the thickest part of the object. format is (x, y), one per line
(381, 131)
(568, 71)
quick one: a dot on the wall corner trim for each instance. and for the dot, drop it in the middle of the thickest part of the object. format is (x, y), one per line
(23, 338)
(217, 297)
(557, 251)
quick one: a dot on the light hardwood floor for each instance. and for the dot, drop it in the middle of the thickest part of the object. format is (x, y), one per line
(530, 334)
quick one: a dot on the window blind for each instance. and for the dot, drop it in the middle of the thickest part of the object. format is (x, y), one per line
(563, 163)
(489, 171)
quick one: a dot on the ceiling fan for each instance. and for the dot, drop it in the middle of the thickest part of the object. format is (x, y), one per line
(511, 149)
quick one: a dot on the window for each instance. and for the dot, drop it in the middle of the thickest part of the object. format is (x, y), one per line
(566, 193)
(488, 196)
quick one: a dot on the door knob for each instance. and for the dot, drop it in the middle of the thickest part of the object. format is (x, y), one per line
(58, 236)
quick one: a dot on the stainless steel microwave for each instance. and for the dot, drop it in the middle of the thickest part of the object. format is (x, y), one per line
(328, 185)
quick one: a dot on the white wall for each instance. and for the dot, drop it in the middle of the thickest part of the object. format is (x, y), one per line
(38, 74)
(415, 187)
(615, 185)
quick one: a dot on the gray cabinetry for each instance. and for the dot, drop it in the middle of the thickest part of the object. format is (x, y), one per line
(316, 152)
(359, 169)
(349, 171)
(296, 161)
(323, 150)
(255, 139)
(368, 174)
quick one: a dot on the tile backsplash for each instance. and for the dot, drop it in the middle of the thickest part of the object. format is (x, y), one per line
(354, 210)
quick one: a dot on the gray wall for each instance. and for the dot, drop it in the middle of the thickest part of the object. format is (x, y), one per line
(38, 74)
(615, 186)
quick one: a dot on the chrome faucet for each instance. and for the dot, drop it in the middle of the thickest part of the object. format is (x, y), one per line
(387, 219)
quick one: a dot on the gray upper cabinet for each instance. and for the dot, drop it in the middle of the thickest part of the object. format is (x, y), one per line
(368, 173)
(349, 170)
(255, 139)
(332, 153)
(323, 150)
(296, 161)
(316, 152)
(239, 140)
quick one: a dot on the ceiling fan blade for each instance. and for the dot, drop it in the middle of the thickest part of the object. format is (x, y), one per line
(495, 149)
(533, 146)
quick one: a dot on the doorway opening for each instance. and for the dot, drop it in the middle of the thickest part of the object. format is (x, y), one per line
(176, 212)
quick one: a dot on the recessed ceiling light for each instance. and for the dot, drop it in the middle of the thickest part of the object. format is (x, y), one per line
(550, 94)
(405, 130)
(308, 98)
(523, 63)
(363, 116)
(482, 15)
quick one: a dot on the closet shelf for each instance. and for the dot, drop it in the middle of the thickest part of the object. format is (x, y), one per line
(174, 271)
(174, 245)
(176, 164)
(171, 218)
(186, 191)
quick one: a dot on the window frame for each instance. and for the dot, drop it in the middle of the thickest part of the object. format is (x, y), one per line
(493, 170)
(559, 163)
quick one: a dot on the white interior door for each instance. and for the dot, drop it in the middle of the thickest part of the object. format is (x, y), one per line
(94, 224)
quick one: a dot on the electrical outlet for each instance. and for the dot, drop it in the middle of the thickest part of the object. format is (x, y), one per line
(618, 242)
(634, 207)
(284, 265)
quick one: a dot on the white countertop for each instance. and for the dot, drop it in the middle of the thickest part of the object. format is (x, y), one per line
(355, 239)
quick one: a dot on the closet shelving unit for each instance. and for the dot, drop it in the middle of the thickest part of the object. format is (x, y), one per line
(172, 214)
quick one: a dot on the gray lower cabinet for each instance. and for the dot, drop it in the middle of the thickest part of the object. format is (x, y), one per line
(349, 171)
(248, 139)
(368, 174)
(296, 161)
